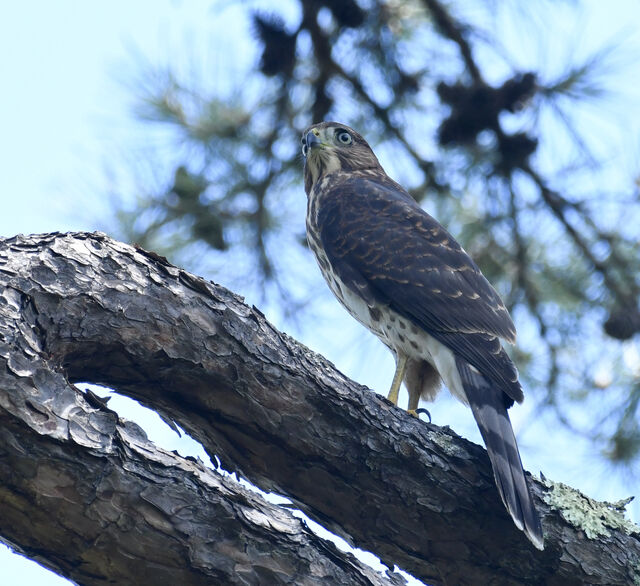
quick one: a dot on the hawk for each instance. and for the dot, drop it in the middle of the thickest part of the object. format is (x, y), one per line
(406, 279)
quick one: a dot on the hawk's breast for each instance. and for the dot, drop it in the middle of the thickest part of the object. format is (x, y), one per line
(394, 330)
(368, 316)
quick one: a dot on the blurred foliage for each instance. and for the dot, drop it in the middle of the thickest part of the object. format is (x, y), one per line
(408, 76)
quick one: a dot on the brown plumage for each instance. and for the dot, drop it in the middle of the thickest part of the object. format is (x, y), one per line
(407, 280)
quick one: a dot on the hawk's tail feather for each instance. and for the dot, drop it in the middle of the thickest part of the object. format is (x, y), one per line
(490, 412)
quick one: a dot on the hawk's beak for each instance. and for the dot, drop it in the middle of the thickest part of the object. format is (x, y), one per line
(312, 140)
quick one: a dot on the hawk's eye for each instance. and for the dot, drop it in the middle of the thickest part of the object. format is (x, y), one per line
(344, 137)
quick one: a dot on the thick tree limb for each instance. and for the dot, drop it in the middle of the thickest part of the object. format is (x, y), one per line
(414, 494)
(88, 496)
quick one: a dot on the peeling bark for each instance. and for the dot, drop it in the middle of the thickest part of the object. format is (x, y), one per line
(83, 307)
(101, 505)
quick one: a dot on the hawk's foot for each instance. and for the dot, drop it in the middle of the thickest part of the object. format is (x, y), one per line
(418, 412)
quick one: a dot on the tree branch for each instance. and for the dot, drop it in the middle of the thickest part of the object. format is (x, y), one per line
(455, 32)
(100, 504)
(415, 494)
(88, 496)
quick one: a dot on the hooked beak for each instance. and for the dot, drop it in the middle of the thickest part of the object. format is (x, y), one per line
(311, 140)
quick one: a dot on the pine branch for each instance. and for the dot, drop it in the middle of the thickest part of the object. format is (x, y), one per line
(88, 308)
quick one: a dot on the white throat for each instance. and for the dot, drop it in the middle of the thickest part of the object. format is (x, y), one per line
(324, 160)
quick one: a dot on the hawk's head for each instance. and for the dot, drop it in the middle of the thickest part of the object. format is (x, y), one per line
(329, 147)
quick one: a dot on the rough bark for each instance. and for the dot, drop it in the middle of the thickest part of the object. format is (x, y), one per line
(88, 496)
(87, 308)
(92, 499)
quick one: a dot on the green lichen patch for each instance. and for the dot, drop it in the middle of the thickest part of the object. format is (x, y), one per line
(593, 517)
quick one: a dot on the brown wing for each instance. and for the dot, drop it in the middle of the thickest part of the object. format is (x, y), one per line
(378, 239)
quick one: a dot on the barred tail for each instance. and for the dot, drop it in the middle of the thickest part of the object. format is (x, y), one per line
(490, 412)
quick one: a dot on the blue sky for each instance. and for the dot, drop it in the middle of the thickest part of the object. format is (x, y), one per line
(66, 115)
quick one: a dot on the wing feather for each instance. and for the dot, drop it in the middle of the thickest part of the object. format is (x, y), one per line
(377, 237)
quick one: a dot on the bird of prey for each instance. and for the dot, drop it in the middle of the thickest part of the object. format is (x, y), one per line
(406, 279)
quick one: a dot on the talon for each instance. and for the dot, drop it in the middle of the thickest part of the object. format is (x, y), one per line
(417, 413)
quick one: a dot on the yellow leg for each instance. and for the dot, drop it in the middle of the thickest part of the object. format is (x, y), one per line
(401, 365)
(414, 399)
